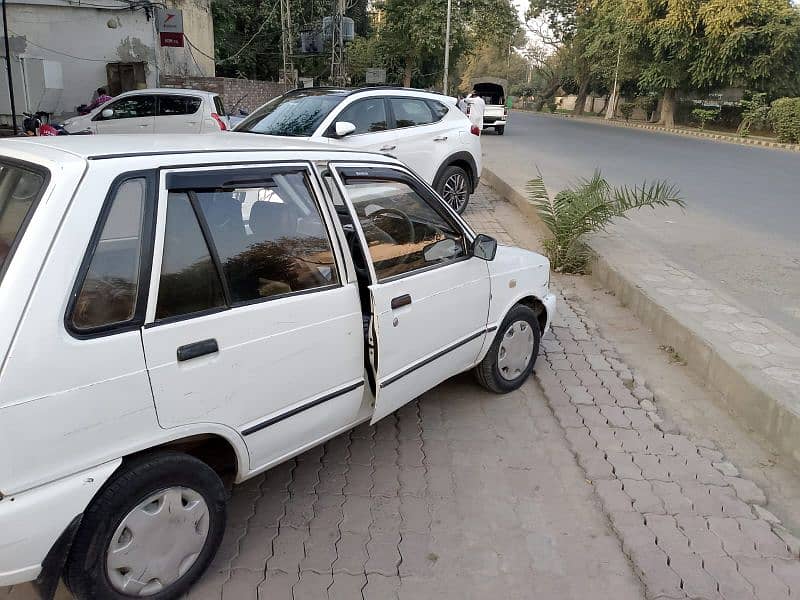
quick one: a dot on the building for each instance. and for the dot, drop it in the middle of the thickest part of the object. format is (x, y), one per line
(63, 50)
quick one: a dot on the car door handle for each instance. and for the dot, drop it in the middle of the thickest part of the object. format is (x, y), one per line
(145, 125)
(403, 300)
(441, 138)
(196, 349)
(387, 148)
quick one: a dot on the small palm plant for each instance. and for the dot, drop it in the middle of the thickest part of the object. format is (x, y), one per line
(587, 206)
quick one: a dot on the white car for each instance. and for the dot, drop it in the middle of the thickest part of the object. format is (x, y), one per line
(182, 313)
(423, 129)
(157, 110)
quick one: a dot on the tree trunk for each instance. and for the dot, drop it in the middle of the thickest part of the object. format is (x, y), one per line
(583, 93)
(548, 93)
(611, 107)
(407, 71)
(668, 108)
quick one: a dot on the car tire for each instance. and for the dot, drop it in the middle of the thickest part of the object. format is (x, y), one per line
(453, 186)
(500, 129)
(499, 371)
(145, 495)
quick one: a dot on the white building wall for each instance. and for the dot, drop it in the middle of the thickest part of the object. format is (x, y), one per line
(83, 39)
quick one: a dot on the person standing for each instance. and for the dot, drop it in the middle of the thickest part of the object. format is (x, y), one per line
(462, 104)
(476, 108)
(102, 98)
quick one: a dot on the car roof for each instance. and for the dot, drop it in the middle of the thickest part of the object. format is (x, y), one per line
(101, 146)
(337, 91)
(167, 91)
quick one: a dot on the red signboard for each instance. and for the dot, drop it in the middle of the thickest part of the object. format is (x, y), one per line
(172, 39)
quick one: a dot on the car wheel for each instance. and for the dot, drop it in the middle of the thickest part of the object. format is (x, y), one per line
(513, 353)
(500, 129)
(453, 187)
(151, 531)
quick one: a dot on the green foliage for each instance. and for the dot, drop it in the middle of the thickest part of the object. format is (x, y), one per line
(785, 118)
(648, 104)
(704, 116)
(627, 108)
(755, 113)
(494, 61)
(589, 206)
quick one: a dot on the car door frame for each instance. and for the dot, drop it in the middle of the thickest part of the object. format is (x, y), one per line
(346, 277)
(324, 132)
(98, 119)
(426, 192)
(200, 113)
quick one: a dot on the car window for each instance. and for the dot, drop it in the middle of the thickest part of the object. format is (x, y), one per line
(178, 105)
(403, 232)
(19, 190)
(189, 280)
(294, 114)
(108, 293)
(219, 107)
(409, 112)
(367, 115)
(132, 107)
(270, 238)
(439, 110)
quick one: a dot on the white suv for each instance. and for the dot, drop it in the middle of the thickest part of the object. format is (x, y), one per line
(179, 319)
(157, 110)
(425, 130)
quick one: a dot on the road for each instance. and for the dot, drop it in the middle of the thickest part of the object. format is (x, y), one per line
(740, 229)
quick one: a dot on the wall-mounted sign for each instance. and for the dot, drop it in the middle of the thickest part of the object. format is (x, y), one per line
(169, 22)
(375, 75)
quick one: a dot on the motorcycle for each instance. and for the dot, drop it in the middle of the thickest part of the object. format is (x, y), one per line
(38, 124)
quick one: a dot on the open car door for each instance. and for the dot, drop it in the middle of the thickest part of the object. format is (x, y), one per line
(429, 296)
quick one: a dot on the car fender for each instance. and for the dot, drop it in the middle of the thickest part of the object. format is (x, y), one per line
(456, 156)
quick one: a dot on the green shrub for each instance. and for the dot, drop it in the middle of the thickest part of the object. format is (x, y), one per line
(647, 104)
(785, 118)
(551, 105)
(705, 115)
(755, 113)
(589, 206)
(627, 108)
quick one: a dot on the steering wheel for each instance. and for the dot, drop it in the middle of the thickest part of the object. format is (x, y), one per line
(409, 237)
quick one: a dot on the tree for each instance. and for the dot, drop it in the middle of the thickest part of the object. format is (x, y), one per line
(493, 61)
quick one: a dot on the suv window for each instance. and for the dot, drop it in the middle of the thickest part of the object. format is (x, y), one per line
(19, 190)
(367, 115)
(403, 232)
(409, 112)
(178, 105)
(108, 293)
(439, 109)
(132, 107)
(189, 280)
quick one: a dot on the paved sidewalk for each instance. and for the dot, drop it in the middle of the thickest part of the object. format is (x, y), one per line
(580, 492)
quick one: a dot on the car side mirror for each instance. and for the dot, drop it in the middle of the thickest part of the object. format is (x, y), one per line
(343, 129)
(107, 113)
(484, 247)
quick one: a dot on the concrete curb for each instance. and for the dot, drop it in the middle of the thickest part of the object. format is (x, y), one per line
(676, 131)
(750, 397)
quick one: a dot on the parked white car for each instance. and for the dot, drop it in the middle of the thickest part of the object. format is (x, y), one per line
(180, 313)
(157, 110)
(423, 129)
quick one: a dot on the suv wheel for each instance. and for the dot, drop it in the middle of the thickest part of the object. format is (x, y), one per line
(151, 532)
(500, 129)
(513, 352)
(453, 186)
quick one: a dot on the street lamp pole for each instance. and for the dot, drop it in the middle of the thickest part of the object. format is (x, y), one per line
(8, 68)
(446, 48)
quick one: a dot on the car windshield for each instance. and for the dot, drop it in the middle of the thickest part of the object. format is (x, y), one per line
(296, 114)
(19, 189)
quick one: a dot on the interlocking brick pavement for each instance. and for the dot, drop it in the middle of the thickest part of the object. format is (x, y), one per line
(463, 494)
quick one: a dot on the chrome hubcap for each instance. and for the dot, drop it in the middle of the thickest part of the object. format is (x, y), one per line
(455, 191)
(157, 542)
(515, 351)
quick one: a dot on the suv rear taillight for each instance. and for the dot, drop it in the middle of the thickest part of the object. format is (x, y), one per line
(475, 130)
(219, 121)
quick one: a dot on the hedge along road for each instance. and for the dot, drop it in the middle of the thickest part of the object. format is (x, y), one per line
(741, 227)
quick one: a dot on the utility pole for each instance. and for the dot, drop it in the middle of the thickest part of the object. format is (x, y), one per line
(612, 101)
(447, 48)
(8, 68)
(287, 42)
(338, 75)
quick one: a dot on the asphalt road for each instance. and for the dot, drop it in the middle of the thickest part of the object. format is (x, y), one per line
(741, 228)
